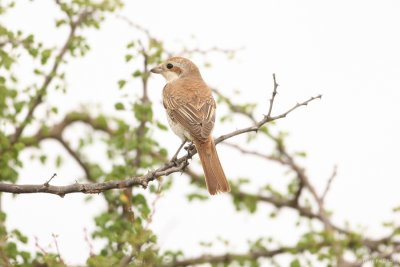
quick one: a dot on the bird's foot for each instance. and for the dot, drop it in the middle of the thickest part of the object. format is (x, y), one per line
(189, 147)
(174, 161)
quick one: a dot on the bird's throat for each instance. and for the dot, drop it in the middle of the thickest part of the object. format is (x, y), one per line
(170, 76)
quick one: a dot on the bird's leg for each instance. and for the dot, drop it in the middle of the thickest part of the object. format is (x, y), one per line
(189, 148)
(175, 157)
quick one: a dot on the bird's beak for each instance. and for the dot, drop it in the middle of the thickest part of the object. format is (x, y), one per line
(157, 69)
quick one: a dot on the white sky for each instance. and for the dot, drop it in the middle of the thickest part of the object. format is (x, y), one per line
(346, 50)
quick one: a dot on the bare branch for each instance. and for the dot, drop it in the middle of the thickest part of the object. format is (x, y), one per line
(57, 248)
(211, 49)
(135, 25)
(234, 107)
(274, 93)
(88, 242)
(230, 257)
(328, 184)
(51, 178)
(265, 120)
(74, 154)
(94, 188)
(254, 153)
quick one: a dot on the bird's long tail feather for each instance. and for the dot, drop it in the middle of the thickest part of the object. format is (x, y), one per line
(215, 177)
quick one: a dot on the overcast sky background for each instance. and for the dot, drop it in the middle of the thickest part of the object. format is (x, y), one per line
(348, 51)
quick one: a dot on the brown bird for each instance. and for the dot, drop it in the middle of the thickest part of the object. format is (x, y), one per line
(191, 114)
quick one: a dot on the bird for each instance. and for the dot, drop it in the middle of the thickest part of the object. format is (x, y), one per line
(190, 109)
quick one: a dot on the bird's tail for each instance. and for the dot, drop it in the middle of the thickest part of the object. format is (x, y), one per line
(215, 177)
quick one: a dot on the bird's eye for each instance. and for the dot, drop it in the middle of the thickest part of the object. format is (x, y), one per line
(169, 66)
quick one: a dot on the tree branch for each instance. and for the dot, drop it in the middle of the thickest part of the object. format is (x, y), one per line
(252, 255)
(265, 120)
(92, 188)
(56, 130)
(49, 77)
(141, 180)
(274, 93)
(329, 183)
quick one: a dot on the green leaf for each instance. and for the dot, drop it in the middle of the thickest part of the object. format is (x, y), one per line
(396, 209)
(295, 263)
(161, 126)
(11, 250)
(128, 57)
(18, 235)
(37, 72)
(59, 161)
(130, 45)
(121, 84)
(197, 196)
(302, 154)
(60, 22)
(140, 202)
(43, 159)
(19, 105)
(45, 56)
(119, 106)
(163, 152)
(54, 110)
(137, 73)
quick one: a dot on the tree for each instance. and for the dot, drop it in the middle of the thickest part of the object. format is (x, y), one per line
(137, 159)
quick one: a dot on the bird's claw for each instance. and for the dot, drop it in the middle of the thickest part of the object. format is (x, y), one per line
(189, 147)
(174, 161)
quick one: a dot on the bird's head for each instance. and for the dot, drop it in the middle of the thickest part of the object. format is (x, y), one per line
(175, 68)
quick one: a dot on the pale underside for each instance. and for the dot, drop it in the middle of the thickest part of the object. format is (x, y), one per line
(178, 129)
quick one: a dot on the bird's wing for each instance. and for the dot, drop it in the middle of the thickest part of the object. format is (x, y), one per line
(196, 113)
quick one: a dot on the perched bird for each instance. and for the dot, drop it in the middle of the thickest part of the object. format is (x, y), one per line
(191, 114)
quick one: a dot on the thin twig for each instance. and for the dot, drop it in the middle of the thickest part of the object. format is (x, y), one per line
(51, 178)
(154, 204)
(57, 248)
(253, 153)
(75, 155)
(135, 25)
(88, 242)
(211, 49)
(37, 245)
(328, 184)
(234, 107)
(259, 124)
(274, 93)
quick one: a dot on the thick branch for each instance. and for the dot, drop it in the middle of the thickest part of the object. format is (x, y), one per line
(92, 188)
